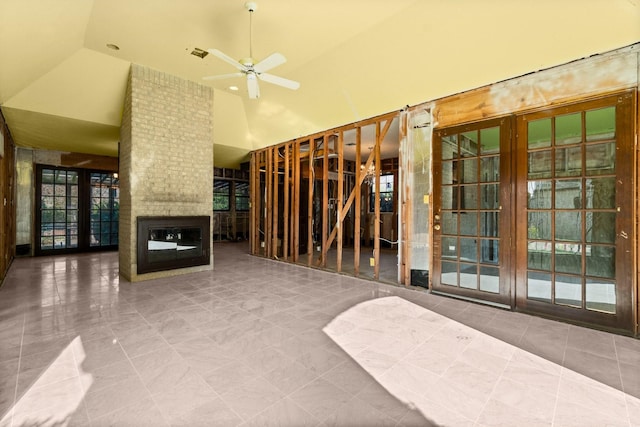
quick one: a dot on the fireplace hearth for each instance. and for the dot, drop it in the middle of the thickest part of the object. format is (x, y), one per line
(172, 242)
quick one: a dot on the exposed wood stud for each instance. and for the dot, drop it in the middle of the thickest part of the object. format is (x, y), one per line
(286, 185)
(339, 216)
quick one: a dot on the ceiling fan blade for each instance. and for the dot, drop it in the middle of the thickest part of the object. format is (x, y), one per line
(226, 58)
(280, 81)
(223, 76)
(252, 86)
(270, 62)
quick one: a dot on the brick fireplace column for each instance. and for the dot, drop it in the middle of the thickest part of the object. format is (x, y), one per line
(166, 158)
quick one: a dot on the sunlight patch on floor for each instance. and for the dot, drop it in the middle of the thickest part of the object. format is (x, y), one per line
(57, 393)
(456, 375)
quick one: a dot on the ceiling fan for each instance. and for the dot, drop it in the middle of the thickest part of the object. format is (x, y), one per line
(252, 70)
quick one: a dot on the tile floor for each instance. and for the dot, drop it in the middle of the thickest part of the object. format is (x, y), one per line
(259, 343)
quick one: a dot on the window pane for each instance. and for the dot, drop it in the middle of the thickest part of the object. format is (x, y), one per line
(539, 286)
(469, 223)
(568, 258)
(449, 222)
(469, 195)
(450, 172)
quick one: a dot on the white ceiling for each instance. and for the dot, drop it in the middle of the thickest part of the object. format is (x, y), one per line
(62, 88)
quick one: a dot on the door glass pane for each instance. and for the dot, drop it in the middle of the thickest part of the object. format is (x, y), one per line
(539, 134)
(569, 161)
(469, 144)
(539, 194)
(569, 129)
(568, 258)
(539, 225)
(490, 169)
(568, 290)
(539, 255)
(490, 279)
(601, 227)
(449, 223)
(601, 261)
(539, 164)
(449, 273)
(601, 193)
(568, 194)
(447, 197)
(490, 140)
(450, 247)
(105, 203)
(489, 224)
(468, 276)
(469, 170)
(568, 226)
(539, 286)
(449, 147)
(489, 196)
(468, 249)
(450, 172)
(601, 295)
(489, 251)
(469, 197)
(469, 223)
(601, 158)
(601, 124)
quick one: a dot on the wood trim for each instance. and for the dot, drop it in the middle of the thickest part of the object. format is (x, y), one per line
(287, 183)
(339, 215)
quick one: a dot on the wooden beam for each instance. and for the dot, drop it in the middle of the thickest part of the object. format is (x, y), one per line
(339, 216)
(287, 183)
(376, 207)
(310, 205)
(325, 198)
(296, 202)
(275, 209)
(358, 208)
(252, 203)
(268, 212)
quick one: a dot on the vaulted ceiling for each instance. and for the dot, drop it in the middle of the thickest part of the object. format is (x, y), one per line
(62, 88)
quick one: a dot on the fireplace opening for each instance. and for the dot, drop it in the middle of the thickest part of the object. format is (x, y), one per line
(171, 242)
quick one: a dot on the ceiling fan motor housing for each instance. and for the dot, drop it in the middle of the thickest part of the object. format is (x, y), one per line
(251, 6)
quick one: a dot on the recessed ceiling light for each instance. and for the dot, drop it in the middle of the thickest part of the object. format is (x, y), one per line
(233, 88)
(113, 46)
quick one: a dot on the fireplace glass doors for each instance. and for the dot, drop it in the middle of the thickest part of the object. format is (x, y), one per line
(166, 243)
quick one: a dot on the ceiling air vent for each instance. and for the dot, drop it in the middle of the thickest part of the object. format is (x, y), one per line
(200, 53)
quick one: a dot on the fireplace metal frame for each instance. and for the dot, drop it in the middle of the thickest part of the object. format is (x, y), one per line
(145, 223)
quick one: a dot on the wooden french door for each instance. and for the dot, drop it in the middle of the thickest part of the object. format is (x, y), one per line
(575, 212)
(472, 211)
(540, 219)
